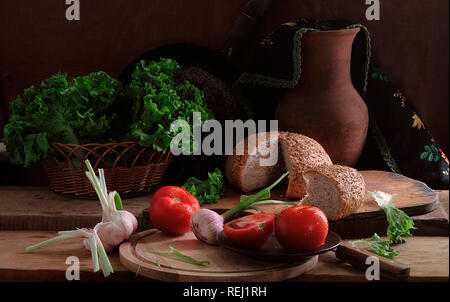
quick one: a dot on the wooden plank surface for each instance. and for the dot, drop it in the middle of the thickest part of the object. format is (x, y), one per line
(37, 208)
(427, 256)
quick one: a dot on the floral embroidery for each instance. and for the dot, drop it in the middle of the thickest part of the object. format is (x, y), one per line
(443, 156)
(290, 24)
(266, 41)
(401, 97)
(378, 74)
(417, 122)
(431, 153)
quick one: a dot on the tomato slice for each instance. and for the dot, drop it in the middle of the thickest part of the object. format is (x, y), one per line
(252, 231)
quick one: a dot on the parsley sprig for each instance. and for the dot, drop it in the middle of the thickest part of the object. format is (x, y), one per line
(399, 226)
(379, 246)
(209, 190)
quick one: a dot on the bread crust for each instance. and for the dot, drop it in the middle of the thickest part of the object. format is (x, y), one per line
(304, 153)
(350, 187)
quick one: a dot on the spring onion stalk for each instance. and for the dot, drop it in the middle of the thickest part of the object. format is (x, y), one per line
(207, 224)
(91, 241)
(116, 225)
(47, 242)
(177, 255)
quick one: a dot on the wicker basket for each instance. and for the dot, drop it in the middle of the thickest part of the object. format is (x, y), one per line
(129, 169)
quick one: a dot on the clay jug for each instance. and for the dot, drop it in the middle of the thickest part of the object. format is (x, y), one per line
(325, 105)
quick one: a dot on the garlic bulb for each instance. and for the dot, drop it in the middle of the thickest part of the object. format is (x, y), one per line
(116, 226)
(206, 225)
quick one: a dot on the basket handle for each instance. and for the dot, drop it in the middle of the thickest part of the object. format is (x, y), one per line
(245, 23)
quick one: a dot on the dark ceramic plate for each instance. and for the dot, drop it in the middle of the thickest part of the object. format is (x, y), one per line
(273, 251)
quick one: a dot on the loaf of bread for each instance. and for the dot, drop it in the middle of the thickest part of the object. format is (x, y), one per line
(245, 171)
(299, 153)
(295, 153)
(336, 190)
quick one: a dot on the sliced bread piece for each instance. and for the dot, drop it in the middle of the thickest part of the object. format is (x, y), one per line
(299, 154)
(246, 171)
(336, 190)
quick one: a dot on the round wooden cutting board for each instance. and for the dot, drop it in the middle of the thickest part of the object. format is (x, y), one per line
(225, 265)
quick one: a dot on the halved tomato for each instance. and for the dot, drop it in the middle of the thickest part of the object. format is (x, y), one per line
(252, 231)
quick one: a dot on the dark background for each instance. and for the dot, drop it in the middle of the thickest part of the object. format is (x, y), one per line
(409, 43)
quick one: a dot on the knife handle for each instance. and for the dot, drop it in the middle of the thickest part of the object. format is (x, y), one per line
(389, 269)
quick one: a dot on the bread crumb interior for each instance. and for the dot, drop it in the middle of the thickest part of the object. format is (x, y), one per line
(321, 193)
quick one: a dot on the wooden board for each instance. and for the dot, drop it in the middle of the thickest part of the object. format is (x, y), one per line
(427, 257)
(412, 196)
(225, 265)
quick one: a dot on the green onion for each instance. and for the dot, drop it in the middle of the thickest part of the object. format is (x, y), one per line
(247, 201)
(177, 255)
(290, 203)
(118, 202)
(47, 242)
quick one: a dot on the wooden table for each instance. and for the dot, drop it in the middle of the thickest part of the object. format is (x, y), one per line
(427, 255)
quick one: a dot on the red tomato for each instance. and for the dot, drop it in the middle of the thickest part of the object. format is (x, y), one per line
(171, 209)
(301, 228)
(252, 231)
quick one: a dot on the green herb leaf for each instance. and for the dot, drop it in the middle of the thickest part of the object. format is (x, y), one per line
(118, 202)
(434, 149)
(177, 255)
(379, 246)
(400, 223)
(423, 155)
(206, 191)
